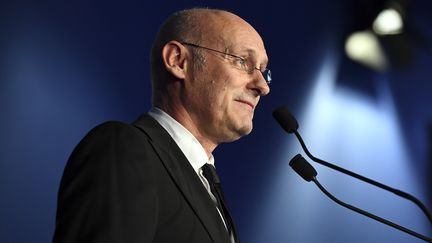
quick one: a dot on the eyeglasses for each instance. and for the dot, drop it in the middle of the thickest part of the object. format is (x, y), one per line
(240, 62)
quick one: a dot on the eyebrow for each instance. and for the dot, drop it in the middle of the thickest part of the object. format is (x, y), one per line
(240, 51)
(252, 52)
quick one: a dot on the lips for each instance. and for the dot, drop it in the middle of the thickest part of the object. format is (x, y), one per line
(252, 105)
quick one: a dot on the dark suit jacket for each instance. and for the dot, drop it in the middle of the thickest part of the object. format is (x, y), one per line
(131, 183)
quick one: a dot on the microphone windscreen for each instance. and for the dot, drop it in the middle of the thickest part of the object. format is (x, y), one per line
(303, 168)
(285, 119)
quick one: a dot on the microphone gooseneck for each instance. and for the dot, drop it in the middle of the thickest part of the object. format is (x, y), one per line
(288, 122)
(307, 172)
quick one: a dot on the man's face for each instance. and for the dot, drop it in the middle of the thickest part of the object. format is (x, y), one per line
(223, 97)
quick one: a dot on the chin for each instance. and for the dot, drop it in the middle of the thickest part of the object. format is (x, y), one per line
(245, 130)
(237, 134)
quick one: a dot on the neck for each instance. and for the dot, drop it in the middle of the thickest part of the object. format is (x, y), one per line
(187, 121)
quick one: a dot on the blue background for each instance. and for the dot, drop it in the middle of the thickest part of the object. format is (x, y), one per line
(68, 66)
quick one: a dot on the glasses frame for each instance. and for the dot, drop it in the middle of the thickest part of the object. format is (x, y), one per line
(266, 73)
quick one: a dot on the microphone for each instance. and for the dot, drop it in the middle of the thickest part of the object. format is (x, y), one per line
(303, 168)
(307, 172)
(288, 122)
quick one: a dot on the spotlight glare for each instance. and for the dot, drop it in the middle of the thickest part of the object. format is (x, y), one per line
(388, 22)
(364, 47)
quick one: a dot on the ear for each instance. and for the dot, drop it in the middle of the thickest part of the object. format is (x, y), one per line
(174, 58)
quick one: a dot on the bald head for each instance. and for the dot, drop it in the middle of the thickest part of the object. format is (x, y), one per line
(199, 25)
(224, 27)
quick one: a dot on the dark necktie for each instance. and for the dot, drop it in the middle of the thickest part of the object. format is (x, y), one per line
(210, 174)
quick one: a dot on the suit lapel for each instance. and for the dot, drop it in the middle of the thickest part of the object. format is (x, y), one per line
(185, 177)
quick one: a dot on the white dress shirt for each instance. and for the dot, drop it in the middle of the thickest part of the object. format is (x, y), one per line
(190, 146)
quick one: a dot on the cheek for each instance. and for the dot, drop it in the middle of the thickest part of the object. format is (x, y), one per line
(221, 90)
(225, 97)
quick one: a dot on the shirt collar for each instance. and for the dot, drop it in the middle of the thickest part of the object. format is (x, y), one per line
(187, 142)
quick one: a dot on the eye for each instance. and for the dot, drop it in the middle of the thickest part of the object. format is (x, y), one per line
(241, 61)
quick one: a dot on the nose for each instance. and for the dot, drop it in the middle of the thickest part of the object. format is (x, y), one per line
(259, 84)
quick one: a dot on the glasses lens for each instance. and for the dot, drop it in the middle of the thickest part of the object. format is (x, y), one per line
(267, 76)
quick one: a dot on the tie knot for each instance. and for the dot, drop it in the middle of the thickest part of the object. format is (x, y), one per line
(210, 174)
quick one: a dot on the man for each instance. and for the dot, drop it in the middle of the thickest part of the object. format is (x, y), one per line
(146, 182)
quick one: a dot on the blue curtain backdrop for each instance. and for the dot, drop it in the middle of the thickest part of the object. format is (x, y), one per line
(68, 66)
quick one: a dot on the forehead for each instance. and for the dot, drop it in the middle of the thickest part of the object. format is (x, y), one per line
(232, 33)
(247, 45)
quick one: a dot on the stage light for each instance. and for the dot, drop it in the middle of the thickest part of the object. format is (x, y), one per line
(380, 37)
(388, 22)
(364, 47)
